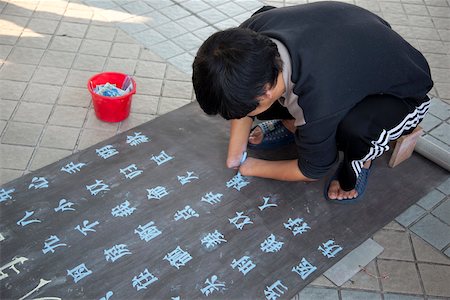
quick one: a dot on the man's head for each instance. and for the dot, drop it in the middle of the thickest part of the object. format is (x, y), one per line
(233, 69)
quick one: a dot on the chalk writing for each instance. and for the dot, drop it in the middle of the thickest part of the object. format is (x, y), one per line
(86, 227)
(188, 178)
(266, 204)
(12, 266)
(163, 157)
(297, 226)
(64, 205)
(244, 264)
(143, 280)
(79, 272)
(51, 244)
(123, 209)
(237, 182)
(213, 239)
(185, 213)
(275, 291)
(24, 222)
(271, 245)
(42, 282)
(107, 296)
(97, 187)
(304, 268)
(72, 168)
(212, 285)
(212, 198)
(115, 252)
(240, 215)
(148, 231)
(6, 194)
(38, 183)
(106, 151)
(329, 249)
(157, 193)
(137, 139)
(178, 257)
(131, 171)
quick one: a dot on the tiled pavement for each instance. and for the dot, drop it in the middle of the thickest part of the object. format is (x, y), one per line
(49, 48)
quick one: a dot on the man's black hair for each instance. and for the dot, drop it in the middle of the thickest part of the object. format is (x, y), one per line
(232, 68)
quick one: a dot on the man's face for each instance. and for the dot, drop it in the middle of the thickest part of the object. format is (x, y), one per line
(272, 94)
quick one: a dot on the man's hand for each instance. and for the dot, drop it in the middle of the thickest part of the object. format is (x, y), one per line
(286, 170)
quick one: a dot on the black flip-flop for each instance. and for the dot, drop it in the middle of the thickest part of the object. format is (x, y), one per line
(274, 135)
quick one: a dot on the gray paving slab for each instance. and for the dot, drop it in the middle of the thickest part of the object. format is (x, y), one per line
(410, 215)
(359, 295)
(433, 230)
(443, 211)
(431, 199)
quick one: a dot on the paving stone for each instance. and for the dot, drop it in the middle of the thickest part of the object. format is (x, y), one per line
(175, 12)
(123, 37)
(135, 120)
(137, 8)
(426, 253)
(25, 9)
(396, 245)
(231, 9)
(7, 175)
(359, 295)
(158, 4)
(46, 156)
(228, 23)
(443, 90)
(177, 89)
(60, 137)
(314, 293)
(437, 142)
(74, 96)
(71, 29)
(430, 122)
(50, 75)
(242, 17)
(26, 55)
(433, 231)
(133, 25)
(205, 32)
(7, 109)
(95, 47)
(439, 11)
(183, 62)
(391, 7)
(150, 69)
(445, 187)
(176, 74)
(89, 62)
(93, 122)
(171, 30)
(77, 15)
(432, 277)
(101, 33)
(148, 86)
(188, 41)
(2, 126)
(191, 22)
(322, 281)
(351, 264)
(66, 43)
(443, 211)
(26, 134)
(5, 50)
(43, 26)
(442, 132)
(362, 280)
(169, 104)
(31, 40)
(447, 252)
(13, 22)
(19, 72)
(410, 215)
(49, 11)
(11, 89)
(58, 59)
(121, 65)
(78, 78)
(436, 60)
(146, 54)
(91, 137)
(156, 18)
(195, 5)
(68, 116)
(144, 104)
(394, 226)
(10, 37)
(212, 16)
(125, 50)
(149, 37)
(431, 199)
(401, 297)
(15, 157)
(432, 46)
(403, 277)
(33, 112)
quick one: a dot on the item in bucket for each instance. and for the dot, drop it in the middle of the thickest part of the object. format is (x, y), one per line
(111, 90)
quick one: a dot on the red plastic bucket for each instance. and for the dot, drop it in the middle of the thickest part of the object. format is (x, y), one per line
(111, 109)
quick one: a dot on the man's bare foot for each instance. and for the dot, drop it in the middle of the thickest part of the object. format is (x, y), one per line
(336, 193)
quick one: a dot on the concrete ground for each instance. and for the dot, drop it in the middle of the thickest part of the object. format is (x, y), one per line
(49, 48)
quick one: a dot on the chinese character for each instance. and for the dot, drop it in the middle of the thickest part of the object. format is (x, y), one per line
(212, 198)
(143, 280)
(12, 266)
(161, 158)
(72, 168)
(304, 268)
(64, 205)
(79, 272)
(116, 252)
(329, 250)
(49, 244)
(106, 152)
(213, 239)
(266, 204)
(86, 227)
(38, 183)
(187, 179)
(123, 210)
(157, 193)
(271, 245)
(42, 282)
(107, 296)
(244, 264)
(186, 213)
(275, 290)
(6, 194)
(97, 187)
(137, 139)
(131, 171)
(297, 226)
(23, 221)
(147, 232)
(239, 215)
(178, 257)
(237, 182)
(212, 285)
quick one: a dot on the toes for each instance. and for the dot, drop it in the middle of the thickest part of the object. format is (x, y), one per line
(333, 190)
